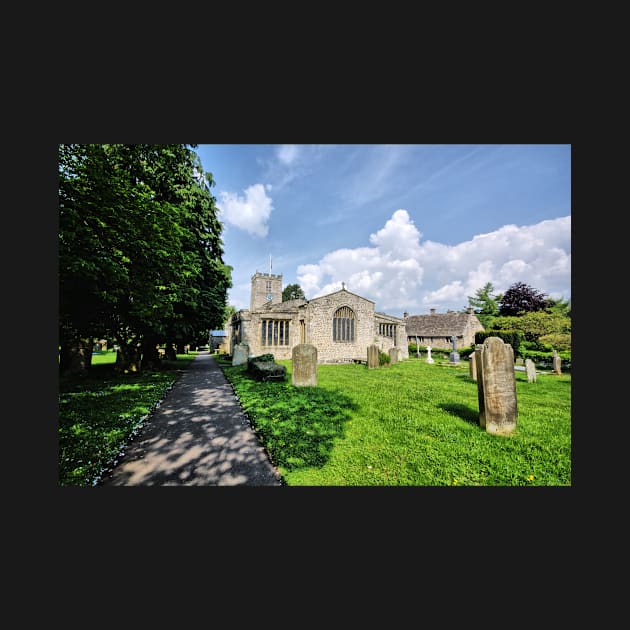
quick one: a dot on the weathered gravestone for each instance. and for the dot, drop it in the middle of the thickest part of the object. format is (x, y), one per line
(557, 363)
(472, 365)
(496, 386)
(395, 355)
(304, 365)
(530, 369)
(240, 354)
(429, 357)
(372, 356)
(454, 356)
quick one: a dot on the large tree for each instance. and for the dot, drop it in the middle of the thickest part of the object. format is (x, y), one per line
(140, 249)
(292, 292)
(520, 298)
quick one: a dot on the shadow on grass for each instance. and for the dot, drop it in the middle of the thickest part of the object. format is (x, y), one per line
(298, 426)
(466, 413)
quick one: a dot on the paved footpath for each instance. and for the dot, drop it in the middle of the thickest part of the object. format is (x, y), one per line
(198, 436)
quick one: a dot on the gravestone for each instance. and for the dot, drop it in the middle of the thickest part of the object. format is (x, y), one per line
(530, 368)
(557, 363)
(372, 356)
(472, 365)
(454, 356)
(496, 386)
(304, 365)
(394, 355)
(240, 354)
(429, 357)
(519, 361)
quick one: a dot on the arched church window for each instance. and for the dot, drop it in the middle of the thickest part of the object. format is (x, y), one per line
(344, 324)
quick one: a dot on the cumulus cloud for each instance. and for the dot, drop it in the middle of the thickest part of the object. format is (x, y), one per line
(249, 212)
(401, 273)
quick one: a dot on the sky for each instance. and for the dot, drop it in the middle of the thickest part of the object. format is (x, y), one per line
(410, 227)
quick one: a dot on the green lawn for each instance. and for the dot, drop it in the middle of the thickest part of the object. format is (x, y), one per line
(407, 424)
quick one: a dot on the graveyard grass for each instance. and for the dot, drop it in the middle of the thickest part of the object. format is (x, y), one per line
(101, 413)
(406, 424)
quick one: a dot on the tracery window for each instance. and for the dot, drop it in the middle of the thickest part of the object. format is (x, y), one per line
(275, 332)
(344, 324)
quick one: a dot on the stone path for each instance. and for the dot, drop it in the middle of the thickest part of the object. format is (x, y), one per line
(199, 436)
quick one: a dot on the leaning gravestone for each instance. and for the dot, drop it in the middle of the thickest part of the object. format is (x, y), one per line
(530, 369)
(240, 354)
(496, 386)
(372, 356)
(472, 365)
(394, 355)
(304, 365)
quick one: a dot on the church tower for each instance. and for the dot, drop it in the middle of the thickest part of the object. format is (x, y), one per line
(266, 288)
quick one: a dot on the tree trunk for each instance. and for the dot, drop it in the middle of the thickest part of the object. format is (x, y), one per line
(171, 353)
(128, 357)
(150, 354)
(180, 347)
(75, 357)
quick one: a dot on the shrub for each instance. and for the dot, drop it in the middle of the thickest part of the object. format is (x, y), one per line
(383, 358)
(514, 337)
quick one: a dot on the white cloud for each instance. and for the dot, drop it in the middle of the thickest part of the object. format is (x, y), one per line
(287, 153)
(250, 212)
(401, 273)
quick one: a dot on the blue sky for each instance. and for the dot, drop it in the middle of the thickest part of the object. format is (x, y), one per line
(410, 227)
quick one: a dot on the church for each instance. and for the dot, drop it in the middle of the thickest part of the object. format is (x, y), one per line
(341, 325)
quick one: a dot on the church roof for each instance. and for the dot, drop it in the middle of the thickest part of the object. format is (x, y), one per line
(344, 290)
(441, 324)
(283, 307)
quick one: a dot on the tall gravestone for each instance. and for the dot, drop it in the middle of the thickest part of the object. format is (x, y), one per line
(557, 363)
(496, 386)
(472, 365)
(240, 354)
(429, 358)
(372, 356)
(453, 357)
(530, 369)
(304, 365)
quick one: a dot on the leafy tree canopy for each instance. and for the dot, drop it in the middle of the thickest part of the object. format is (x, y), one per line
(485, 304)
(521, 298)
(292, 292)
(140, 249)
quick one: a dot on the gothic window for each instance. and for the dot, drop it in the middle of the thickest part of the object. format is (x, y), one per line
(275, 332)
(343, 324)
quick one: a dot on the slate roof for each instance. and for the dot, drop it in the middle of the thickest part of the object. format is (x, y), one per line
(283, 307)
(441, 324)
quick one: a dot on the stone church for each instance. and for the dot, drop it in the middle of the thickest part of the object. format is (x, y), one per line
(341, 325)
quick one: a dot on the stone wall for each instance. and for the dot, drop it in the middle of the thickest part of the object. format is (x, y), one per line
(317, 316)
(264, 284)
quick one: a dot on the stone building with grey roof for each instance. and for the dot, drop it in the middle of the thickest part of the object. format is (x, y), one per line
(341, 325)
(436, 329)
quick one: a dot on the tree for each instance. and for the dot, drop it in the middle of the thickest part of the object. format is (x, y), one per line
(520, 298)
(292, 292)
(227, 314)
(559, 307)
(140, 249)
(485, 304)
